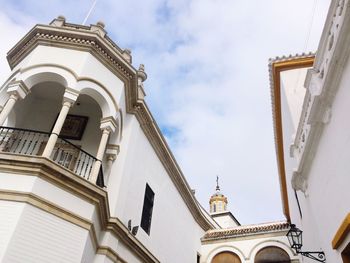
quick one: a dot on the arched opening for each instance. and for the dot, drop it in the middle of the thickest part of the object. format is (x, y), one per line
(32, 119)
(38, 110)
(272, 254)
(226, 257)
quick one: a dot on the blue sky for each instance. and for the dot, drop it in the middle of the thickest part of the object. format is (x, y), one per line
(207, 83)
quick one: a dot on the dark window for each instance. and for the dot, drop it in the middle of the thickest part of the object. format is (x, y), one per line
(147, 209)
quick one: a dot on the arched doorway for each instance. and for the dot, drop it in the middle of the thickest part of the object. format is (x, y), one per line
(226, 257)
(272, 255)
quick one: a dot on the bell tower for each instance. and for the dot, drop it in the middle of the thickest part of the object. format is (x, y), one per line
(217, 202)
(218, 209)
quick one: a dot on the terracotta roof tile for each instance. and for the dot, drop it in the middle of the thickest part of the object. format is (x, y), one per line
(245, 230)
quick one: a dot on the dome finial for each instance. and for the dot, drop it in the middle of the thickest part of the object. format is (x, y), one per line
(217, 183)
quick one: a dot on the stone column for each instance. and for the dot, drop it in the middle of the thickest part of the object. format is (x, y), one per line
(69, 98)
(16, 90)
(108, 125)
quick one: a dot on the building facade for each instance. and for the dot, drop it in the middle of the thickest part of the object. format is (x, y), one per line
(310, 95)
(86, 175)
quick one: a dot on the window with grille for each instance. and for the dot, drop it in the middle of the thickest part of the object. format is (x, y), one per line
(147, 209)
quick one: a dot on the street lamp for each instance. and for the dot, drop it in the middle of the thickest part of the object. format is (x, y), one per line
(295, 238)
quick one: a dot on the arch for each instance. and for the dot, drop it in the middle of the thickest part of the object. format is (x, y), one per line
(35, 74)
(271, 254)
(99, 95)
(274, 243)
(47, 73)
(225, 248)
(226, 257)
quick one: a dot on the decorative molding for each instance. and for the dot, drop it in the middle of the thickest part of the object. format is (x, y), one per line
(276, 66)
(108, 123)
(110, 253)
(299, 183)
(332, 57)
(248, 230)
(342, 232)
(46, 206)
(65, 179)
(18, 88)
(89, 42)
(70, 95)
(112, 150)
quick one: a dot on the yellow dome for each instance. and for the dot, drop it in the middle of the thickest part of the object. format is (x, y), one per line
(218, 202)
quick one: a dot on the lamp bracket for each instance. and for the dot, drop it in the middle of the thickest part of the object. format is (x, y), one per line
(315, 255)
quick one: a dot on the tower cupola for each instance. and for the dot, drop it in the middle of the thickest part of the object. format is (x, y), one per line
(218, 202)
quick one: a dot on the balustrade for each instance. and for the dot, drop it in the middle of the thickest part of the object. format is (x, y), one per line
(66, 154)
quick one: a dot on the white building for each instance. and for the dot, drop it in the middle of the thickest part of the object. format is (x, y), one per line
(311, 105)
(74, 81)
(85, 173)
(233, 243)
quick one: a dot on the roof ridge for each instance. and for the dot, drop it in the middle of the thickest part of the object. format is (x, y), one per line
(246, 230)
(291, 57)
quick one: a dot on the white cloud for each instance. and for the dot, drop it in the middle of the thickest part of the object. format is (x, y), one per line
(11, 32)
(207, 67)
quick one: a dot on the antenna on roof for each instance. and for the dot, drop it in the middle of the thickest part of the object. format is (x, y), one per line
(89, 13)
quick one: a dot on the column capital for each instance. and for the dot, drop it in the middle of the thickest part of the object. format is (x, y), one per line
(18, 88)
(108, 123)
(112, 150)
(70, 95)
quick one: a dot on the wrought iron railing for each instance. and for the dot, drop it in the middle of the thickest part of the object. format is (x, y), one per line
(66, 154)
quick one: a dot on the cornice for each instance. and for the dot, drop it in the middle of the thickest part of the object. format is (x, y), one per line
(65, 179)
(76, 38)
(248, 230)
(69, 38)
(276, 66)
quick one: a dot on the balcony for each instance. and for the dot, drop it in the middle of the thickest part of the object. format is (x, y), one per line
(66, 154)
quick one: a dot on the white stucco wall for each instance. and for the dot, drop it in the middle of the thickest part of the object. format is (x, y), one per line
(292, 98)
(137, 165)
(291, 110)
(225, 220)
(328, 182)
(8, 223)
(292, 83)
(43, 237)
(324, 205)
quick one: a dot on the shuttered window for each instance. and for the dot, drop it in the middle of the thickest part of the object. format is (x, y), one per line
(147, 209)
